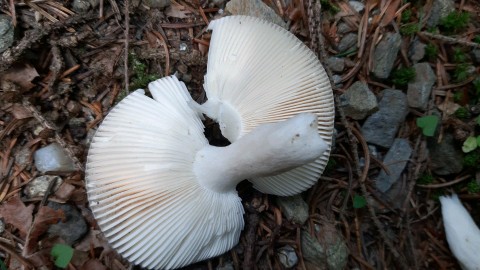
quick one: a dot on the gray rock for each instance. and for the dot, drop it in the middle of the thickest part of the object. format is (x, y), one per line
(157, 3)
(395, 161)
(22, 157)
(294, 208)
(357, 6)
(419, 90)
(337, 80)
(6, 33)
(343, 28)
(74, 227)
(228, 265)
(78, 128)
(38, 186)
(385, 55)
(329, 254)
(287, 256)
(2, 226)
(476, 55)
(336, 64)
(358, 101)
(381, 127)
(348, 41)
(446, 157)
(255, 8)
(218, 3)
(440, 9)
(84, 5)
(417, 50)
(53, 158)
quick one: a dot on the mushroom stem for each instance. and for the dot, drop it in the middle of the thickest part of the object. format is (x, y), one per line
(268, 150)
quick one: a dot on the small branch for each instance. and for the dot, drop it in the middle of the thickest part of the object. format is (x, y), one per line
(127, 35)
(450, 39)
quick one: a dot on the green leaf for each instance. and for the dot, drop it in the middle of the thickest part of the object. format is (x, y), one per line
(359, 201)
(469, 144)
(62, 254)
(477, 120)
(428, 124)
(2, 265)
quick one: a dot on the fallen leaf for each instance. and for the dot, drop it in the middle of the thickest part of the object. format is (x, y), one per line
(22, 75)
(448, 107)
(390, 12)
(62, 255)
(177, 11)
(428, 124)
(469, 144)
(45, 217)
(64, 191)
(94, 239)
(93, 265)
(15, 212)
(19, 111)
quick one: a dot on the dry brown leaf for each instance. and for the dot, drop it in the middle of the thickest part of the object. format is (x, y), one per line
(448, 107)
(177, 11)
(42, 259)
(390, 12)
(93, 265)
(93, 239)
(43, 219)
(21, 75)
(64, 191)
(15, 212)
(19, 111)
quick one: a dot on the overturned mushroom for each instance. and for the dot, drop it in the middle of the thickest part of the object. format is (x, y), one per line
(162, 195)
(258, 73)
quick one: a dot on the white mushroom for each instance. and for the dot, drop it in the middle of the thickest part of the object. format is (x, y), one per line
(162, 195)
(257, 73)
(463, 235)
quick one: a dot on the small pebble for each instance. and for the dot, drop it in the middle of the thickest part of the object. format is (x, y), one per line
(226, 266)
(396, 160)
(38, 186)
(348, 41)
(357, 6)
(336, 64)
(73, 228)
(287, 256)
(77, 128)
(294, 208)
(6, 32)
(22, 157)
(53, 158)
(358, 101)
(156, 3)
(385, 55)
(183, 47)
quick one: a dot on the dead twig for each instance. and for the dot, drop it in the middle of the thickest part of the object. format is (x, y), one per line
(127, 38)
(450, 39)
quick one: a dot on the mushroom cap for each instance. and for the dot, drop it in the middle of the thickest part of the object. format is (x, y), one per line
(258, 73)
(462, 233)
(141, 185)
